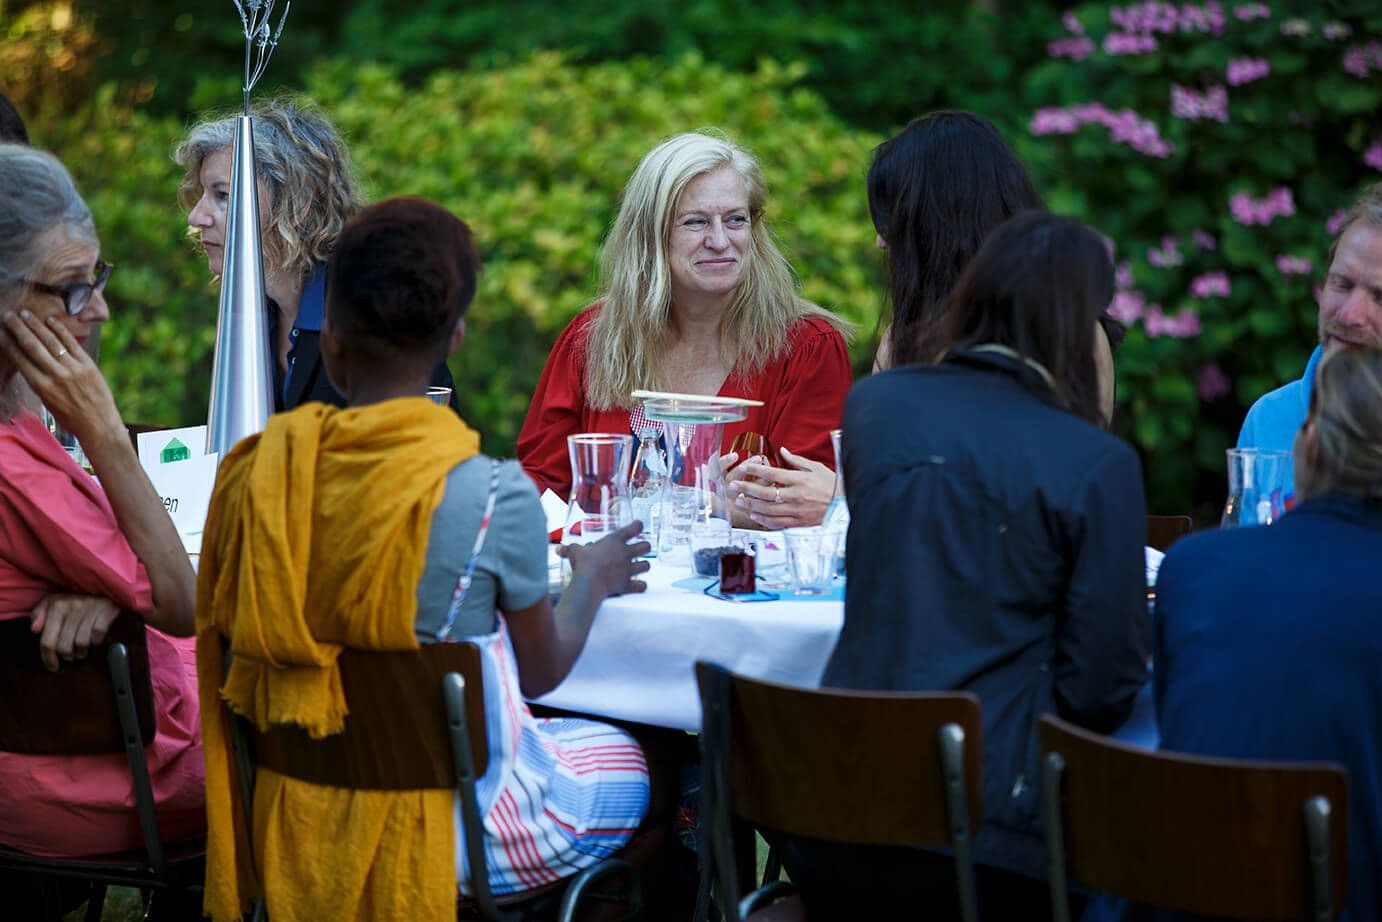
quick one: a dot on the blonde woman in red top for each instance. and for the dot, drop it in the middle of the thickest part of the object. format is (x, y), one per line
(694, 298)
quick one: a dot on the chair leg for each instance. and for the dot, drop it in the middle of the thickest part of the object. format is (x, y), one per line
(772, 866)
(96, 902)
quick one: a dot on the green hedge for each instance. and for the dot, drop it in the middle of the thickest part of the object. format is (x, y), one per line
(534, 156)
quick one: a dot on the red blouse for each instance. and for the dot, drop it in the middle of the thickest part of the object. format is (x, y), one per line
(803, 393)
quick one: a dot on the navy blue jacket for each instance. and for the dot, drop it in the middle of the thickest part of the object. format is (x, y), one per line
(1269, 646)
(995, 546)
(306, 378)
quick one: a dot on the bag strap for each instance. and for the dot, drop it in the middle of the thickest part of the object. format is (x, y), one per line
(463, 583)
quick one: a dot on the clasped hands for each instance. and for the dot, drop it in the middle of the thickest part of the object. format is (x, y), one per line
(781, 497)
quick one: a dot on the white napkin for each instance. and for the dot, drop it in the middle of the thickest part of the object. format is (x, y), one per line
(554, 507)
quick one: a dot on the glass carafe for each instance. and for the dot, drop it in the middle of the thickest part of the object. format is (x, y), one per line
(695, 503)
(1259, 487)
(837, 513)
(599, 501)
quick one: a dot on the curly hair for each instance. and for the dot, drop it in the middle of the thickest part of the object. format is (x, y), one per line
(302, 161)
(628, 339)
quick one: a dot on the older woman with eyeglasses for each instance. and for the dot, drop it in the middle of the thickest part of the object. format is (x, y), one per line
(75, 553)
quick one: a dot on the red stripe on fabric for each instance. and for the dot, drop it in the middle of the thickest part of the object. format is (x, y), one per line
(537, 862)
(601, 830)
(512, 841)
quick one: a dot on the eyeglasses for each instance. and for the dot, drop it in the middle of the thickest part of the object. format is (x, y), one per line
(76, 296)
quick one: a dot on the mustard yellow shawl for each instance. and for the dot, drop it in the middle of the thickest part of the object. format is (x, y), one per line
(315, 540)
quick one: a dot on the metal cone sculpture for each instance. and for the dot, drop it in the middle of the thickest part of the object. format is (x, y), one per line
(242, 379)
(242, 373)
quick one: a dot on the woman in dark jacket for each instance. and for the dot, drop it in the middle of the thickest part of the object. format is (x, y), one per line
(995, 544)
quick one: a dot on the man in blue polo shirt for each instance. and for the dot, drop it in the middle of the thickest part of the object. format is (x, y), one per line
(1350, 317)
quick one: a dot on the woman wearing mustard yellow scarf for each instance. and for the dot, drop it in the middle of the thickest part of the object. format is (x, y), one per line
(351, 528)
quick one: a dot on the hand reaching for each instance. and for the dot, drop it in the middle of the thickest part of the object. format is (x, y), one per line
(71, 625)
(611, 563)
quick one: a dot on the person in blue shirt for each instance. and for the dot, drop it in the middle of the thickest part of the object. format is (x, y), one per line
(1268, 641)
(1350, 317)
(306, 195)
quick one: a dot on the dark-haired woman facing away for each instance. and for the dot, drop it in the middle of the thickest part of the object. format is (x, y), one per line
(937, 189)
(411, 536)
(995, 547)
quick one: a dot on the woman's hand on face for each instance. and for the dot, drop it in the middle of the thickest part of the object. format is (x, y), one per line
(60, 372)
(611, 563)
(71, 625)
(784, 497)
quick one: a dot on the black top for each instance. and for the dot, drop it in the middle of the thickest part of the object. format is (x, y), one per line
(995, 546)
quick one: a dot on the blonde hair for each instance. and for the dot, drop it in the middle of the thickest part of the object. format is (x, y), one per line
(1346, 410)
(629, 339)
(302, 160)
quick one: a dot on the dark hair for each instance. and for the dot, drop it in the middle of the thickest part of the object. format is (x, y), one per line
(403, 273)
(1038, 286)
(12, 128)
(936, 190)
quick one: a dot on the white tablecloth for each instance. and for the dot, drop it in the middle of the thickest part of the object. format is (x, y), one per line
(639, 660)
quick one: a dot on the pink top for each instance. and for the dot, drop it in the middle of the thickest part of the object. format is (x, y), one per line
(58, 534)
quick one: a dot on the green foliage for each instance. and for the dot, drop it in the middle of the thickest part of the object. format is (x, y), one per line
(533, 156)
(877, 63)
(1303, 128)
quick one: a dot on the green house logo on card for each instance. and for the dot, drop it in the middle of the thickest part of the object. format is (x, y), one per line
(174, 451)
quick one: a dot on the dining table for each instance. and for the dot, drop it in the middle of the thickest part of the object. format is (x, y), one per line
(638, 663)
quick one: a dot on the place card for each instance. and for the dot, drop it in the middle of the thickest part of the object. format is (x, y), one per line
(165, 446)
(185, 488)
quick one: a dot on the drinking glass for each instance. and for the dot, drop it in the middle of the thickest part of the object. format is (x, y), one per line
(811, 559)
(599, 503)
(439, 395)
(837, 513)
(750, 444)
(1259, 487)
(709, 539)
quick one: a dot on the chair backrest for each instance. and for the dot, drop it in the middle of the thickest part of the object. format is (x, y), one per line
(1229, 838)
(71, 711)
(863, 768)
(396, 735)
(1165, 530)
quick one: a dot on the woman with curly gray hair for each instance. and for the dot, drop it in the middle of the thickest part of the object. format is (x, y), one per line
(306, 194)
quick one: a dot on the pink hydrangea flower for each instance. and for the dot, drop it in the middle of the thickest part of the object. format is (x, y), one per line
(1204, 240)
(1124, 126)
(1334, 31)
(1373, 156)
(1359, 60)
(1126, 307)
(1249, 11)
(1072, 23)
(1246, 70)
(1168, 255)
(1212, 382)
(1278, 204)
(1293, 265)
(1128, 43)
(1193, 106)
(1122, 276)
(1076, 48)
(1335, 222)
(1183, 325)
(1210, 285)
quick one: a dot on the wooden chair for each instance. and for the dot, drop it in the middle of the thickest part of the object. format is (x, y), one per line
(882, 768)
(1226, 838)
(101, 704)
(417, 720)
(1165, 530)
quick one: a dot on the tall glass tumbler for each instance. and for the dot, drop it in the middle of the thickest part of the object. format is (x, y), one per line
(600, 502)
(1259, 487)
